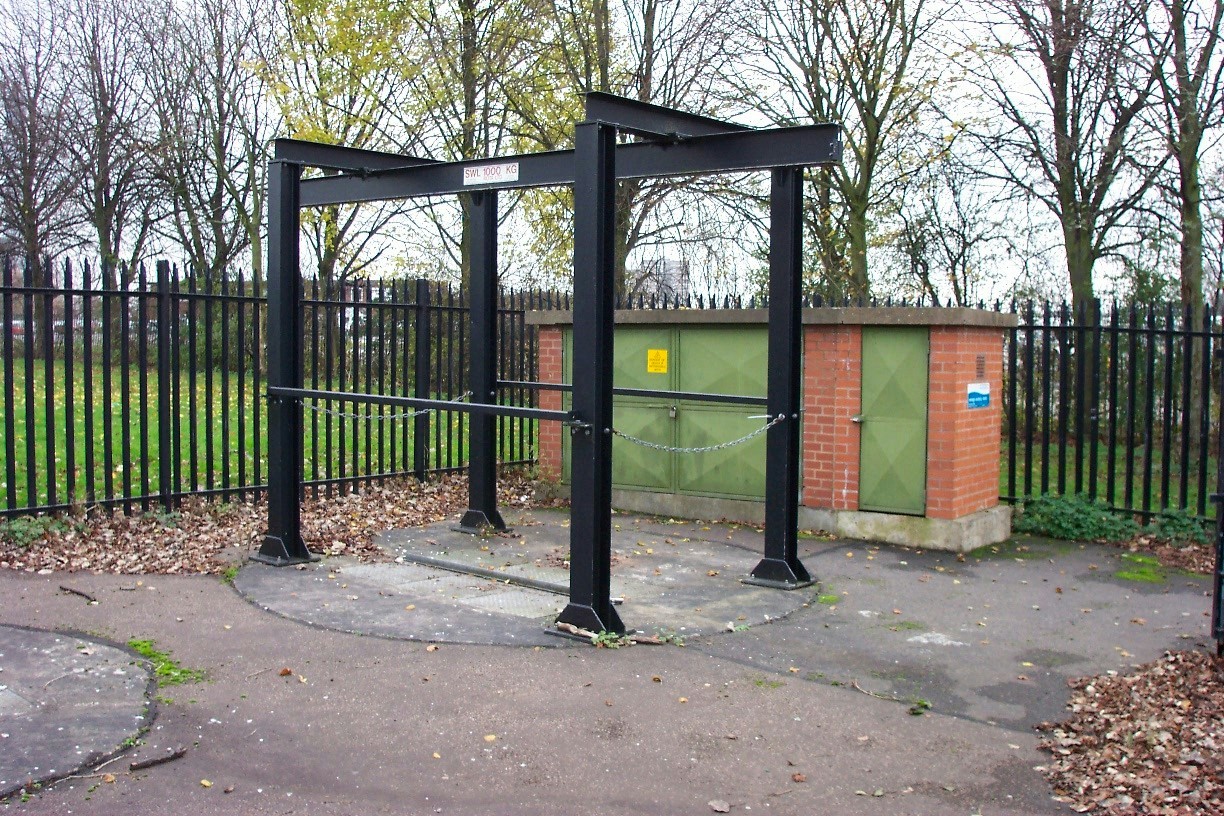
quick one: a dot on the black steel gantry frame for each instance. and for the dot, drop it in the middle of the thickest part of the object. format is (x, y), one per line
(668, 143)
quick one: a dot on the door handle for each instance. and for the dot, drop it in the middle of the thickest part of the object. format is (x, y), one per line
(857, 419)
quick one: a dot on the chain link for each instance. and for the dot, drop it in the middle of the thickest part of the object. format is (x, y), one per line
(319, 409)
(707, 448)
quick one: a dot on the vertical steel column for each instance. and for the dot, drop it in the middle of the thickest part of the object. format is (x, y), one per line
(283, 545)
(482, 450)
(781, 567)
(590, 603)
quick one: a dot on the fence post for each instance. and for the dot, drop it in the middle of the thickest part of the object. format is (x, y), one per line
(165, 461)
(1217, 579)
(420, 386)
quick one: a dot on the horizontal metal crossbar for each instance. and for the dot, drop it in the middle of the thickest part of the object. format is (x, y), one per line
(631, 114)
(414, 402)
(715, 153)
(695, 396)
(338, 157)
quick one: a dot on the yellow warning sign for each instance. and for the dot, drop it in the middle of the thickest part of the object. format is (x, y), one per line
(656, 361)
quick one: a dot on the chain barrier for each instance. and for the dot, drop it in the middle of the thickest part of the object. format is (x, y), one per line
(707, 448)
(319, 409)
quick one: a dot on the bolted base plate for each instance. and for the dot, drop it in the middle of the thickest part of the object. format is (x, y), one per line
(766, 582)
(275, 553)
(585, 617)
(477, 522)
(780, 574)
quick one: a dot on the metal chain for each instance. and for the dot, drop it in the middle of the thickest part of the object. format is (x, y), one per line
(707, 448)
(319, 409)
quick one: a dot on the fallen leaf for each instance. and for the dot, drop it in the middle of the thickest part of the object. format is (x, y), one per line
(285, 672)
(204, 783)
(433, 647)
(684, 699)
(108, 778)
(490, 738)
(228, 789)
(719, 806)
(798, 777)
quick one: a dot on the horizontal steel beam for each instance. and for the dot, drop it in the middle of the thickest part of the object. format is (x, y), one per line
(692, 396)
(716, 153)
(338, 157)
(631, 114)
(414, 402)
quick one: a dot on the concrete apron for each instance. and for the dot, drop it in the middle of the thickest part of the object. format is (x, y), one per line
(676, 578)
(67, 702)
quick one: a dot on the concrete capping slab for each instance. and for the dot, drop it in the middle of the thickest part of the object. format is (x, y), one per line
(825, 316)
(989, 526)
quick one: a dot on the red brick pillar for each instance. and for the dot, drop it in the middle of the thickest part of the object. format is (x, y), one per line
(962, 441)
(550, 362)
(832, 383)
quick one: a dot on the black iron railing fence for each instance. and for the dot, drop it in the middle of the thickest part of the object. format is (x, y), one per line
(143, 394)
(1119, 403)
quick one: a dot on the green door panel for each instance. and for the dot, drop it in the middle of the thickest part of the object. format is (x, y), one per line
(636, 466)
(736, 472)
(631, 352)
(723, 360)
(892, 449)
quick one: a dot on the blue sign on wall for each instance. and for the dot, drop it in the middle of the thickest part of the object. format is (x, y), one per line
(979, 395)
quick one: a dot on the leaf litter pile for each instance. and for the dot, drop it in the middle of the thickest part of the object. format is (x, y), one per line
(1143, 743)
(209, 537)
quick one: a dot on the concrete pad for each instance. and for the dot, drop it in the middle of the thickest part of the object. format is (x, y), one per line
(677, 578)
(66, 703)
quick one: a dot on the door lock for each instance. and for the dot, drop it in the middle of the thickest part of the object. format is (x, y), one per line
(857, 419)
(671, 412)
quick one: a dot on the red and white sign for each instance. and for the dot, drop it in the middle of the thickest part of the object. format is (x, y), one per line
(490, 174)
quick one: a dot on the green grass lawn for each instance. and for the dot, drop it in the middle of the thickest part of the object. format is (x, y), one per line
(226, 430)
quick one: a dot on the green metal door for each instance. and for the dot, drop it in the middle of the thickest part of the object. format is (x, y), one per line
(644, 358)
(711, 359)
(892, 448)
(721, 360)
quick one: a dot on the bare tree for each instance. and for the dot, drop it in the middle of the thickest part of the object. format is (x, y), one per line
(665, 53)
(330, 69)
(112, 133)
(948, 227)
(36, 187)
(857, 63)
(210, 145)
(1184, 38)
(458, 54)
(1066, 93)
